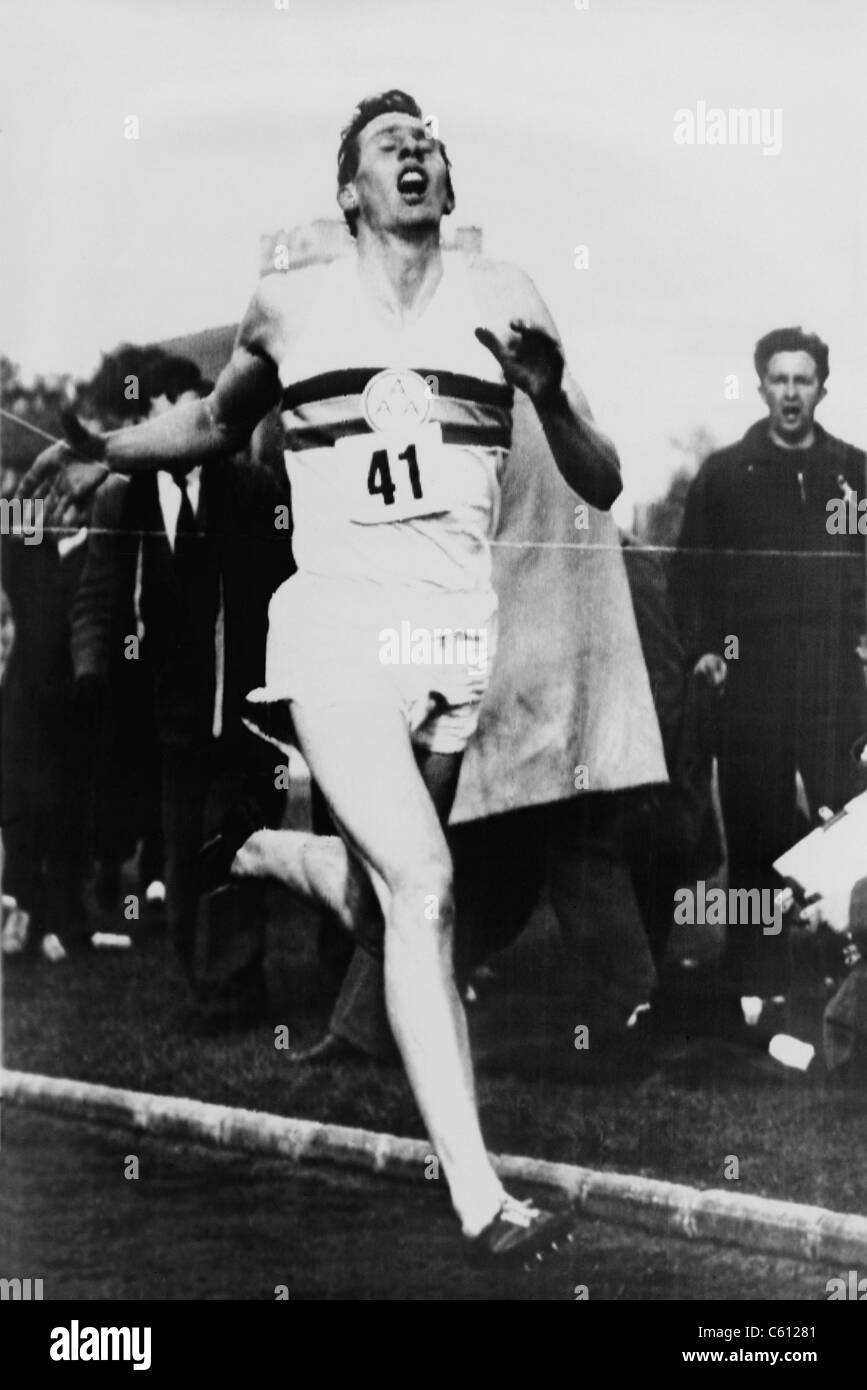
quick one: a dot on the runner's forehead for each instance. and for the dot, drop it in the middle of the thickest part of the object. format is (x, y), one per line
(393, 121)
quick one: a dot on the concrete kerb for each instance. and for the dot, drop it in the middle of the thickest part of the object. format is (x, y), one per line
(787, 1229)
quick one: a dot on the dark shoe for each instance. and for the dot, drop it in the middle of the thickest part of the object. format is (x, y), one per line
(214, 859)
(858, 765)
(519, 1233)
(328, 1051)
(77, 942)
(194, 1022)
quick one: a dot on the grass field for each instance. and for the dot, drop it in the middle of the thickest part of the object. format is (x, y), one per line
(674, 1108)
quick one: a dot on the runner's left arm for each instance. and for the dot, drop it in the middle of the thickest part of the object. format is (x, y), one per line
(532, 359)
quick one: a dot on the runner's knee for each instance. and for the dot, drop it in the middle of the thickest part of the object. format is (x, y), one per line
(428, 884)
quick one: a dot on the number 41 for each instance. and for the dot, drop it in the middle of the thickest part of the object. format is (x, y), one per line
(379, 478)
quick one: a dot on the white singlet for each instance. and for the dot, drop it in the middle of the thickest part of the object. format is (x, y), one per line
(395, 438)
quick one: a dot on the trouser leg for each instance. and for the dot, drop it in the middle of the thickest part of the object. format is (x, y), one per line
(759, 806)
(593, 897)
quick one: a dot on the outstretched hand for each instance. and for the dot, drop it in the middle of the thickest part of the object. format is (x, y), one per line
(530, 358)
(65, 476)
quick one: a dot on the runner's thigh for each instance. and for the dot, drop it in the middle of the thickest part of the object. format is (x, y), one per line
(362, 758)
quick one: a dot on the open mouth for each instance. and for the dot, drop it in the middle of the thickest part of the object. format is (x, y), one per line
(791, 413)
(412, 184)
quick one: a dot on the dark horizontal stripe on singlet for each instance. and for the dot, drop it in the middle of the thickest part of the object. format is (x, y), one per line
(351, 381)
(326, 436)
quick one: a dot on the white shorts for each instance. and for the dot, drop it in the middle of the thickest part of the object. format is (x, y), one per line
(425, 653)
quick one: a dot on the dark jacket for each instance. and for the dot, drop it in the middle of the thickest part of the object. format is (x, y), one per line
(37, 689)
(677, 820)
(755, 558)
(242, 551)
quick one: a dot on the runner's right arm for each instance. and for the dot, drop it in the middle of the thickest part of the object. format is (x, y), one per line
(214, 427)
(195, 432)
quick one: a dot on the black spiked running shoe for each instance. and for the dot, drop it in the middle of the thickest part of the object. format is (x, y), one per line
(520, 1234)
(214, 859)
(333, 1050)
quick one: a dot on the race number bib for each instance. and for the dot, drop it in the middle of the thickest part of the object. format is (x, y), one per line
(396, 471)
(387, 477)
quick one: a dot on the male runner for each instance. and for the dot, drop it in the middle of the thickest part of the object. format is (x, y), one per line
(397, 412)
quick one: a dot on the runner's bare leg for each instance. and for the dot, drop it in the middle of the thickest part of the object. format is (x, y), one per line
(321, 868)
(318, 867)
(362, 759)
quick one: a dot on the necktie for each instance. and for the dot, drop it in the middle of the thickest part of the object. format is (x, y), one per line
(191, 562)
(186, 534)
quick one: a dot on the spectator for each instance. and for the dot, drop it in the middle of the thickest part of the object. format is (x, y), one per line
(672, 834)
(194, 559)
(771, 602)
(46, 785)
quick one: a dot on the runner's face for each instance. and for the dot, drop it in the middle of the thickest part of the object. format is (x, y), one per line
(791, 390)
(402, 180)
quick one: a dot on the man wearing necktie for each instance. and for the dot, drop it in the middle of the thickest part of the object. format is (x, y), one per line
(187, 561)
(182, 536)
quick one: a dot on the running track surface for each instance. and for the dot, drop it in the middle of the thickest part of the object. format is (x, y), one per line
(200, 1223)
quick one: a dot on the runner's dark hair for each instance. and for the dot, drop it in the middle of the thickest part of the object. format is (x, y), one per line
(365, 112)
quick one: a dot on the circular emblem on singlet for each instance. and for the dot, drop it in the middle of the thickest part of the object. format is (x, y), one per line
(396, 399)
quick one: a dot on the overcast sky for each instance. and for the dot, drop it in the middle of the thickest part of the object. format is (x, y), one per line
(560, 123)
